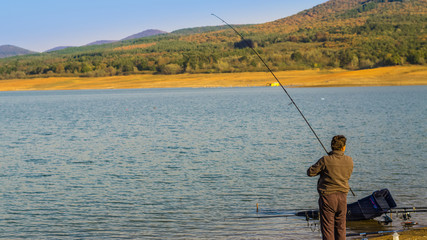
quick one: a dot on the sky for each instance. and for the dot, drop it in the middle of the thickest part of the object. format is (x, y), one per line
(40, 25)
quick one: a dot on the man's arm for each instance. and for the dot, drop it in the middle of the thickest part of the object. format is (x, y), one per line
(316, 168)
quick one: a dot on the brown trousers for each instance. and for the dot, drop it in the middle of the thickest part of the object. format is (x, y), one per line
(333, 211)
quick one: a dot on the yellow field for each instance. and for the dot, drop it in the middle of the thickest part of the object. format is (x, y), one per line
(387, 76)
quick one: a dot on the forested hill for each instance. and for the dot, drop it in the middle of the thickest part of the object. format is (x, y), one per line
(347, 13)
(351, 34)
(10, 50)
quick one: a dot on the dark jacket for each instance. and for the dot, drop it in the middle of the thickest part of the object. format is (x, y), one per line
(335, 171)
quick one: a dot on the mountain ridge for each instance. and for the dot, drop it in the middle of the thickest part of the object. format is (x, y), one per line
(100, 42)
(11, 50)
(348, 34)
(342, 12)
(145, 33)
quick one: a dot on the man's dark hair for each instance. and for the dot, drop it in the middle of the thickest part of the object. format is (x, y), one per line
(338, 142)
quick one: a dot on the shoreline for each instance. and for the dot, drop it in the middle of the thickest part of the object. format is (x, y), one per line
(385, 76)
(410, 234)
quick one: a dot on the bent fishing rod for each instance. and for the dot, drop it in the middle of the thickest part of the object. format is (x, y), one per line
(272, 73)
(280, 83)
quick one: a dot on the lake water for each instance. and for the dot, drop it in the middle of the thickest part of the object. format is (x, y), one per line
(193, 163)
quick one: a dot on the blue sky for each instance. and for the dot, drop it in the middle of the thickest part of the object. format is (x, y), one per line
(40, 25)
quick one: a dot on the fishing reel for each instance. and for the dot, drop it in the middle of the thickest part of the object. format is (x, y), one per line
(313, 221)
(314, 225)
(407, 223)
(386, 220)
(406, 216)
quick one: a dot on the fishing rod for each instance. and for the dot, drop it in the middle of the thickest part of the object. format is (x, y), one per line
(314, 214)
(372, 233)
(281, 85)
(410, 208)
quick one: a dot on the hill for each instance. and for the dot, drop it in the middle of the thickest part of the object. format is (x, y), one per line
(100, 42)
(58, 48)
(188, 31)
(348, 34)
(339, 13)
(10, 50)
(146, 33)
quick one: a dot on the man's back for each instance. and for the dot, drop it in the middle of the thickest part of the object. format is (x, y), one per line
(335, 171)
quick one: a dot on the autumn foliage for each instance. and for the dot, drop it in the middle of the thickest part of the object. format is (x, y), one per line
(130, 47)
(349, 34)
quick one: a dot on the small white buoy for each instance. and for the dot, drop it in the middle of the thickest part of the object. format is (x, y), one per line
(322, 99)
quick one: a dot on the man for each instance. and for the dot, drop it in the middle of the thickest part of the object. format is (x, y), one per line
(335, 171)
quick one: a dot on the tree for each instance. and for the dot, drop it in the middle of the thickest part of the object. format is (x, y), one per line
(415, 57)
(59, 68)
(244, 44)
(296, 56)
(171, 69)
(85, 67)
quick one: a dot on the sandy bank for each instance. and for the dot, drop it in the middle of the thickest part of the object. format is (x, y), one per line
(414, 234)
(387, 76)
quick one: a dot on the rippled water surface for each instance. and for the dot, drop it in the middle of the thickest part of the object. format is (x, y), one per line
(193, 163)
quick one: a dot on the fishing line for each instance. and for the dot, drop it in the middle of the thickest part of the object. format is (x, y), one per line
(281, 85)
(272, 73)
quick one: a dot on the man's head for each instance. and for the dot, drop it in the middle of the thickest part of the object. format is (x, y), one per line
(338, 143)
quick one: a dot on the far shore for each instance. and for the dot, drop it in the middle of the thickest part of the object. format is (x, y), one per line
(386, 76)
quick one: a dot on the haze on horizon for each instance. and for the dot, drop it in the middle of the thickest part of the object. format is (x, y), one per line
(44, 24)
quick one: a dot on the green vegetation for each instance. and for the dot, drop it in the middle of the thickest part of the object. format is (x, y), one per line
(362, 35)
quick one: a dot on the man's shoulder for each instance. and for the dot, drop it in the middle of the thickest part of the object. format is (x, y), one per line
(337, 157)
(348, 157)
